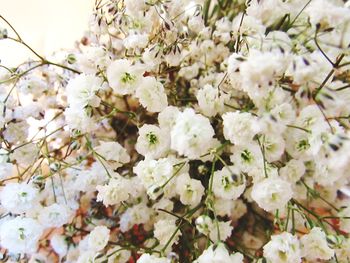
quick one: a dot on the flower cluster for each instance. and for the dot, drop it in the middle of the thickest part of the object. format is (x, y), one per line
(181, 131)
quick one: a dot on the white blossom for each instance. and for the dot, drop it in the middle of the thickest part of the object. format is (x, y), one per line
(283, 248)
(123, 77)
(152, 142)
(240, 127)
(272, 193)
(98, 238)
(314, 245)
(151, 94)
(20, 235)
(217, 254)
(192, 134)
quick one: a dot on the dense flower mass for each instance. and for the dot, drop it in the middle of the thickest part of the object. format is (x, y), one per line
(204, 131)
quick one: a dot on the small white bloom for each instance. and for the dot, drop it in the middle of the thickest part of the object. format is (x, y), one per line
(218, 254)
(204, 224)
(82, 91)
(80, 119)
(154, 173)
(220, 231)
(55, 215)
(152, 142)
(240, 127)
(26, 154)
(283, 248)
(113, 153)
(293, 170)
(134, 41)
(272, 193)
(210, 101)
(20, 235)
(190, 190)
(164, 230)
(59, 244)
(18, 198)
(116, 191)
(135, 215)
(274, 146)
(167, 117)
(228, 183)
(118, 255)
(98, 238)
(192, 134)
(124, 77)
(16, 132)
(151, 95)
(314, 245)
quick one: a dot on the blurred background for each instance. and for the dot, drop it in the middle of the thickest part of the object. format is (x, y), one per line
(46, 25)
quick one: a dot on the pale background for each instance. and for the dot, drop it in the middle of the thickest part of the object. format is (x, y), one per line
(46, 25)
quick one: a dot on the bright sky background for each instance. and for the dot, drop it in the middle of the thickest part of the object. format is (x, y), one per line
(46, 25)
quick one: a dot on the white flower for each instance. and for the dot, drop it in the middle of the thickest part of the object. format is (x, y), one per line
(167, 117)
(98, 238)
(134, 41)
(220, 231)
(87, 179)
(151, 94)
(240, 127)
(327, 13)
(80, 119)
(314, 245)
(154, 173)
(32, 85)
(204, 224)
(20, 235)
(118, 255)
(82, 91)
(246, 156)
(210, 101)
(273, 146)
(25, 155)
(261, 69)
(135, 215)
(190, 190)
(16, 132)
(55, 215)
(272, 193)
(343, 252)
(124, 77)
(152, 142)
(6, 170)
(18, 198)
(147, 258)
(192, 134)
(283, 113)
(113, 153)
(228, 183)
(293, 170)
(92, 59)
(164, 230)
(59, 244)
(283, 248)
(216, 231)
(87, 257)
(116, 191)
(196, 24)
(219, 254)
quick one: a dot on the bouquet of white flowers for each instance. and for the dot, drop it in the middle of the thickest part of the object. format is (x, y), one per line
(205, 131)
